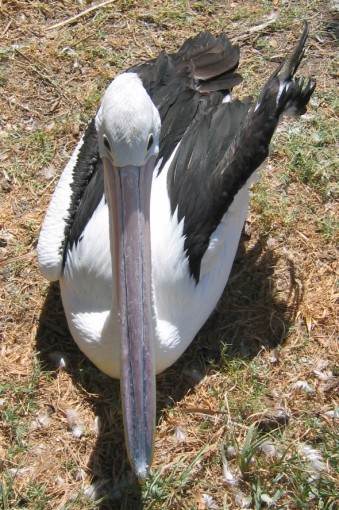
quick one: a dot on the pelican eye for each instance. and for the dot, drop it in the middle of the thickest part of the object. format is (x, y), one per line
(106, 143)
(150, 142)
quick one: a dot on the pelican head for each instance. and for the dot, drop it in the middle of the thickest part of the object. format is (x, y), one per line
(128, 128)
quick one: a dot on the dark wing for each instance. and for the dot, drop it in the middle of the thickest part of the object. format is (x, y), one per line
(191, 183)
(196, 77)
(223, 147)
(87, 187)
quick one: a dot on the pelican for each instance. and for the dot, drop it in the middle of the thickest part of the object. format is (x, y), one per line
(144, 224)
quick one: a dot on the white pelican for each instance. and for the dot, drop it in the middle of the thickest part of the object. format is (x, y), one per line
(144, 224)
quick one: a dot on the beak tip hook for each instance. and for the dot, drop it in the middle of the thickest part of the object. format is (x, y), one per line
(141, 473)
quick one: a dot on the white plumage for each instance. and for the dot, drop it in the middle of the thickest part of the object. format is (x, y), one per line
(143, 264)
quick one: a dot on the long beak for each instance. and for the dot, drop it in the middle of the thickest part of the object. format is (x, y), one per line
(128, 191)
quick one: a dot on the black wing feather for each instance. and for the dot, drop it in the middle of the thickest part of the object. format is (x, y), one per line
(191, 188)
(221, 144)
(176, 91)
(83, 200)
(239, 141)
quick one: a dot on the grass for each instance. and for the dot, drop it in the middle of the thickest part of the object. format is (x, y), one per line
(236, 426)
(315, 164)
(311, 160)
(166, 487)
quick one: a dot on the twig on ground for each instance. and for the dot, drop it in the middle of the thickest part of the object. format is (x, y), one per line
(6, 28)
(251, 30)
(80, 15)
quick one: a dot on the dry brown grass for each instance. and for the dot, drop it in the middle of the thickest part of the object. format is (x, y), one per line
(61, 429)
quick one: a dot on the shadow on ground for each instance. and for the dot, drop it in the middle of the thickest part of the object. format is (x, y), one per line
(247, 318)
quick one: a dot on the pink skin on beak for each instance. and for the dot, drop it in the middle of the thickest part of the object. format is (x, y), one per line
(128, 191)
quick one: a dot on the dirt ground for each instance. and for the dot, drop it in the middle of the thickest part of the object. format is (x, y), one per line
(264, 369)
